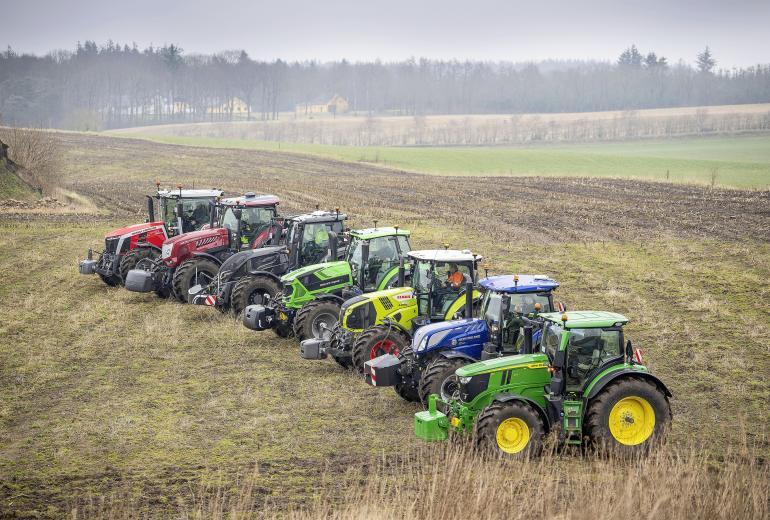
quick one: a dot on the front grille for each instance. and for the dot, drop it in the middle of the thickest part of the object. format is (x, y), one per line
(386, 303)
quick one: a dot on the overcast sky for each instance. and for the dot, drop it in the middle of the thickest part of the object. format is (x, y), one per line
(737, 30)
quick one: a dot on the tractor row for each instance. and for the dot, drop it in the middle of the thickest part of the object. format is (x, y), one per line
(497, 359)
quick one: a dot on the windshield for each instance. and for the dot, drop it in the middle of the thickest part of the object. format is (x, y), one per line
(195, 213)
(384, 256)
(315, 243)
(438, 285)
(523, 303)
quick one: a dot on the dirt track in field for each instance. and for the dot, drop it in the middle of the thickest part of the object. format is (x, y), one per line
(115, 172)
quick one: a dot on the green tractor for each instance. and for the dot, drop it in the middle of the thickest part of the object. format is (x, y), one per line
(310, 302)
(582, 383)
(382, 322)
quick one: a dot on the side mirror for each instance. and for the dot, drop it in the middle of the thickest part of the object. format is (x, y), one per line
(629, 351)
(212, 214)
(469, 300)
(561, 306)
(178, 209)
(238, 213)
(401, 272)
(364, 264)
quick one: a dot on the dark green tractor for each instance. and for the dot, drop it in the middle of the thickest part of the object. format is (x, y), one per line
(583, 382)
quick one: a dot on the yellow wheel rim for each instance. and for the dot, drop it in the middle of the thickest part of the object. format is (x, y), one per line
(512, 435)
(632, 420)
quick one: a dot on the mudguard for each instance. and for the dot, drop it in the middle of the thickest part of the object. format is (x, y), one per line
(505, 398)
(608, 378)
(451, 354)
(330, 297)
(200, 254)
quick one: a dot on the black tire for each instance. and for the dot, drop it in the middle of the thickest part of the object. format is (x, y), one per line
(490, 439)
(344, 362)
(407, 391)
(190, 273)
(597, 423)
(307, 323)
(251, 290)
(161, 291)
(112, 280)
(283, 330)
(134, 257)
(371, 339)
(434, 379)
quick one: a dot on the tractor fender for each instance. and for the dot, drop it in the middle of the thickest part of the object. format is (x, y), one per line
(396, 325)
(330, 297)
(505, 398)
(268, 274)
(612, 376)
(388, 279)
(213, 258)
(452, 354)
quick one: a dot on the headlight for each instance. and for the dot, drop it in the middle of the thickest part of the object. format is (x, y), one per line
(423, 344)
(464, 380)
(166, 250)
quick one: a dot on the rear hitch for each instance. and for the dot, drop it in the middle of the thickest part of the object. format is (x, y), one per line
(197, 295)
(313, 348)
(384, 370)
(431, 425)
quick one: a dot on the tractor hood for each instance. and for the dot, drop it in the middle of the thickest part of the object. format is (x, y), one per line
(536, 360)
(293, 275)
(452, 334)
(134, 229)
(258, 256)
(180, 247)
(194, 236)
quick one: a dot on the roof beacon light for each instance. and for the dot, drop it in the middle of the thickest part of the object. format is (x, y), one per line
(446, 246)
(375, 224)
(538, 307)
(516, 280)
(564, 318)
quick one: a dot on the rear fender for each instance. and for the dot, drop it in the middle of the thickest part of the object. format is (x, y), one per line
(330, 297)
(453, 354)
(389, 280)
(199, 254)
(507, 398)
(459, 304)
(597, 387)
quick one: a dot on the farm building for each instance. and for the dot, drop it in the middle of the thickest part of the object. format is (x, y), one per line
(336, 105)
(236, 106)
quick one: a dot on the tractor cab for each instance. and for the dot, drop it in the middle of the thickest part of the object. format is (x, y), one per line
(507, 300)
(439, 278)
(182, 211)
(374, 256)
(315, 237)
(249, 219)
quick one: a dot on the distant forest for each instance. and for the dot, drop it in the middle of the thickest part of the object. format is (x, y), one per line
(108, 86)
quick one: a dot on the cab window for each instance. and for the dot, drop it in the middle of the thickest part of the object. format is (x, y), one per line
(588, 350)
(550, 340)
(315, 243)
(383, 257)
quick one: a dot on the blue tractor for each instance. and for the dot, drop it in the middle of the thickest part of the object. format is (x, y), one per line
(428, 365)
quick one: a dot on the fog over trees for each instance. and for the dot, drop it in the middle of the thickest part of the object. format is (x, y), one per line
(115, 85)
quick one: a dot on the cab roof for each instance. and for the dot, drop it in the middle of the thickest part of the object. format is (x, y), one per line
(191, 194)
(586, 319)
(318, 216)
(251, 199)
(370, 233)
(526, 283)
(444, 255)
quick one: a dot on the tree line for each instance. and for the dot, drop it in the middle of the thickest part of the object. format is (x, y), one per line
(112, 85)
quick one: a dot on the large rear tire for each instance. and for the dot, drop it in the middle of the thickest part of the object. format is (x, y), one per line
(512, 429)
(252, 290)
(628, 416)
(139, 258)
(438, 378)
(316, 320)
(376, 341)
(192, 272)
(344, 362)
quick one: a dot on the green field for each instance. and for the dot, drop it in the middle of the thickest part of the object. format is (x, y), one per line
(736, 161)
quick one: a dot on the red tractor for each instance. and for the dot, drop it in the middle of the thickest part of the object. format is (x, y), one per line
(180, 211)
(187, 260)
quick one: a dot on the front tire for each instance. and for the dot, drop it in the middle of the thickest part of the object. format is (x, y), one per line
(406, 391)
(512, 429)
(376, 341)
(252, 290)
(192, 272)
(316, 320)
(628, 416)
(438, 378)
(112, 280)
(139, 258)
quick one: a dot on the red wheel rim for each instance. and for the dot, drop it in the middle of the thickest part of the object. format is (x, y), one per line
(385, 346)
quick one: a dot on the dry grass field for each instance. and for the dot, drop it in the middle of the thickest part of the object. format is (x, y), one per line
(119, 405)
